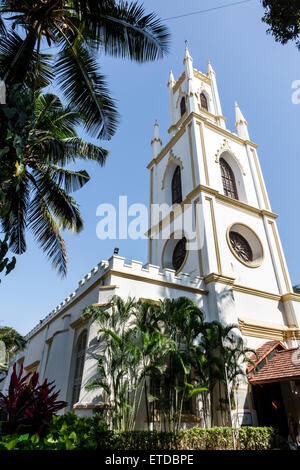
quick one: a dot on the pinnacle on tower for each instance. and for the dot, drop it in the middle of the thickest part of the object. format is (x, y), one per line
(156, 142)
(241, 124)
(171, 81)
(187, 55)
(209, 68)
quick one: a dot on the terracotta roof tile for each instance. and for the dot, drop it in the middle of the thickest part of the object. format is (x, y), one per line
(282, 366)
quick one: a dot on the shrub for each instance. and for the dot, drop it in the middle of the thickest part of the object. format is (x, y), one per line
(68, 432)
(28, 407)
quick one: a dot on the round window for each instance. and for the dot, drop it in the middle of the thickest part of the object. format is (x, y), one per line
(245, 245)
(241, 246)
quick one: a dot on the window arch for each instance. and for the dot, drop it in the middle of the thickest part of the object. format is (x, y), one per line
(182, 106)
(179, 254)
(176, 186)
(203, 101)
(228, 180)
(79, 356)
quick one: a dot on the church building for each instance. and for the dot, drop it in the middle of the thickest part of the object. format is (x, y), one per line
(228, 259)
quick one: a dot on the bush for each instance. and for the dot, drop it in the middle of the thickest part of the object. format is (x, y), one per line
(65, 432)
(68, 432)
(28, 407)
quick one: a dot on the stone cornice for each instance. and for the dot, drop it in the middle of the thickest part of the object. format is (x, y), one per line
(266, 330)
(219, 197)
(207, 123)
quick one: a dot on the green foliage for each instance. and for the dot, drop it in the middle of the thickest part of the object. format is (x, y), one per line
(37, 139)
(283, 19)
(68, 432)
(6, 264)
(65, 432)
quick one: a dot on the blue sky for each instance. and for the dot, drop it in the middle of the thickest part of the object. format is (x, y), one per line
(251, 68)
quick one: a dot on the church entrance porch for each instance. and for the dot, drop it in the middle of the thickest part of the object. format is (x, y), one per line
(275, 380)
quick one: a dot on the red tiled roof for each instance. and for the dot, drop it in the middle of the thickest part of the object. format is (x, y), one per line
(282, 366)
(264, 350)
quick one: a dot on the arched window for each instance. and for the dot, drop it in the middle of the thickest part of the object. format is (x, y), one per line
(79, 356)
(228, 180)
(176, 187)
(182, 106)
(179, 254)
(203, 101)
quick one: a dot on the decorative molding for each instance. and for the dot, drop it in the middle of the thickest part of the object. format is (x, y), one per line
(191, 154)
(266, 330)
(226, 148)
(213, 221)
(50, 340)
(282, 264)
(172, 159)
(256, 292)
(172, 285)
(201, 76)
(220, 278)
(108, 287)
(203, 152)
(179, 82)
(249, 265)
(260, 178)
(201, 271)
(79, 322)
(178, 123)
(219, 197)
(31, 367)
(180, 132)
(290, 296)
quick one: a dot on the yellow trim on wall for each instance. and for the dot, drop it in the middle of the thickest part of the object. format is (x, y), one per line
(260, 178)
(179, 82)
(213, 221)
(282, 264)
(219, 197)
(203, 152)
(215, 127)
(198, 238)
(258, 329)
(201, 76)
(249, 265)
(192, 154)
(32, 367)
(172, 285)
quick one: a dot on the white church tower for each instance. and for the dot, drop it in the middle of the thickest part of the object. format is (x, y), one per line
(213, 178)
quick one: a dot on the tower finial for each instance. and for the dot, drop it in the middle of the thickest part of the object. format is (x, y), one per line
(156, 142)
(187, 55)
(171, 81)
(241, 124)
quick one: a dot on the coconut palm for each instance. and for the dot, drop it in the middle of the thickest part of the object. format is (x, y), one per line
(78, 29)
(38, 138)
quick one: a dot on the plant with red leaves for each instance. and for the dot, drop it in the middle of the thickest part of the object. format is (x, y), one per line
(28, 407)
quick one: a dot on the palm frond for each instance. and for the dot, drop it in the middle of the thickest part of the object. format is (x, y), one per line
(15, 221)
(20, 63)
(85, 88)
(126, 31)
(47, 233)
(68, 179)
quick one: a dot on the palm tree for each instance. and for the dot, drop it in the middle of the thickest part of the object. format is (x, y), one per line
(78, 29)
(38, 138)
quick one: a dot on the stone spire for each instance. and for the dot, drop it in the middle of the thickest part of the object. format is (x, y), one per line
(187, 56)
(171, 81)
(241, 124)
(156, 142)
